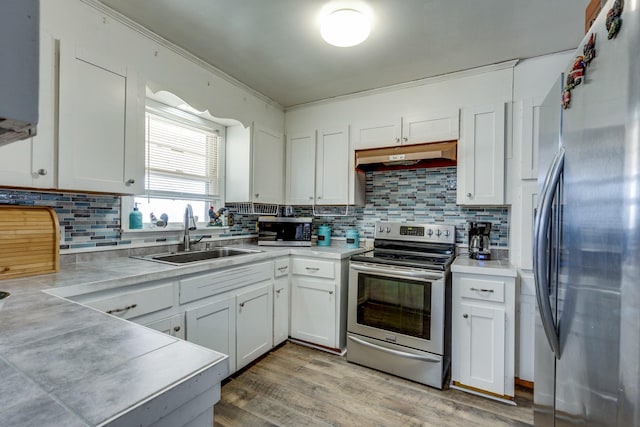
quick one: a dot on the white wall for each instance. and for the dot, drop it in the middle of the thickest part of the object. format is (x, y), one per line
(79, 25)
(455, 90)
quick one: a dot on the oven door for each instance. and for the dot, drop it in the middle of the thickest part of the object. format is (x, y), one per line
(404, 306)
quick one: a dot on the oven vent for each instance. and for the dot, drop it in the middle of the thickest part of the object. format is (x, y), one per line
(434, 154)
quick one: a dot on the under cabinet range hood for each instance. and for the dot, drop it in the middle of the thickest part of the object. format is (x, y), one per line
(19, 69)
(434, 154)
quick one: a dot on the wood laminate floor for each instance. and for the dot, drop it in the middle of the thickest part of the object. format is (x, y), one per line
(297, 386)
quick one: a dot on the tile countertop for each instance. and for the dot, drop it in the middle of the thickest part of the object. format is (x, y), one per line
(499, 267)
(62, 363)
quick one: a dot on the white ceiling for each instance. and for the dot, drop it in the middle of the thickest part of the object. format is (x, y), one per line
(274, 46)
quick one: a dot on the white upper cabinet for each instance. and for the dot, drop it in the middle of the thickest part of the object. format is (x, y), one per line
(332, 167)
(318, 167)
(427, 126)
(301, 168)
(255, 165)
(481, 156)
(101, 134)
(31, 163)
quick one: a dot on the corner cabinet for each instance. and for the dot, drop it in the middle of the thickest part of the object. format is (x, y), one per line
(254, 165)
(483, 329)
(481, 156)
(318, 302)
(101, 133)
(281, 301)
(318, 167)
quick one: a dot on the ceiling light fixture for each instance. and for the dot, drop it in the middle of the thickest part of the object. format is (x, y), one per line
(345, 27)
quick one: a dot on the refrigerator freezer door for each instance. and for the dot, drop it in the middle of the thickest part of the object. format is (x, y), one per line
(549, 145)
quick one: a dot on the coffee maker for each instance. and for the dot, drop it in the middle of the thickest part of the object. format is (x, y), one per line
(479, 240)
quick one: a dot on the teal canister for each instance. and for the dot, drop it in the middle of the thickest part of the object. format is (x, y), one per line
(324, 235)
(135, 219)
(353, 238)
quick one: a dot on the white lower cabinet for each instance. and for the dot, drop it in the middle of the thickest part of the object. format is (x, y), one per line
(281, 301)
(483, 333)
(313, 311)
(318, 302)
(213, 326)
(254, 323)
(173, 325)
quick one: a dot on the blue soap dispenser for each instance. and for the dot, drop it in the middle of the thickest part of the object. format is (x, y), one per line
(135, 218)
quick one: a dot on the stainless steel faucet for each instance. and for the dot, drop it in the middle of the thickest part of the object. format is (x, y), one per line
(189, 225)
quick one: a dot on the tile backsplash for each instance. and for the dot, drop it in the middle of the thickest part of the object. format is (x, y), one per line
(421, 195)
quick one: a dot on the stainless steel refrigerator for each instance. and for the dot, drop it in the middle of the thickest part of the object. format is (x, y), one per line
(587, 237)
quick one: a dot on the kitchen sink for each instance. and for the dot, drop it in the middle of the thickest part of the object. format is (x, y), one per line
(179, 258)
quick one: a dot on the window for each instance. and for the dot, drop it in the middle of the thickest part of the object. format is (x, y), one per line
(182, 164)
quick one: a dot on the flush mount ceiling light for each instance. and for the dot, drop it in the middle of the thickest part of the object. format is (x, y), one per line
(345, 27)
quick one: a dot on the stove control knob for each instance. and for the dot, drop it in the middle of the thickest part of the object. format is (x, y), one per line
(446, 233)
(438, 232)
(430, 232)
(381, 229)
(388, 229)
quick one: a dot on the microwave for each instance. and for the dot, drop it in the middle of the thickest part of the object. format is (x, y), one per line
(284, 231)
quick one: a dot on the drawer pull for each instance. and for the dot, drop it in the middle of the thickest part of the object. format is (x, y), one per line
(312, 268)
(282, 268)
(119, 310)
(4, 269)
(482, 290)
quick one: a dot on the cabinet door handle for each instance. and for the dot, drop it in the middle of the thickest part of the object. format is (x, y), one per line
(465, 315)
(257, 195)
(330, 292)
(312, 268)
(397, 139)
(469, 195)
(482, 290)
(120, 310)
(131, 181)
(283, 268)
(176, 328)
(42, 172)
(405, 139)
(279, 290)
(241, 304)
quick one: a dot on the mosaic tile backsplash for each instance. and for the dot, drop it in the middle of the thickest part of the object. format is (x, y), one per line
(421, 195)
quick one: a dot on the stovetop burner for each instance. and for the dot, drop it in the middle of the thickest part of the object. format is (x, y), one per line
(426, 246)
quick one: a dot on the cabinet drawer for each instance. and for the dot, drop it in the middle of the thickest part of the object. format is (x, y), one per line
(308, 267)
(484, 290)
(281, 267)
(136, 303)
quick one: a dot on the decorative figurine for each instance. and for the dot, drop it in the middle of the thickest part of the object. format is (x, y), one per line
(614, 22)
(574, 78)
(566, 99)
(212, 216)
(589, 49)
(164, 218)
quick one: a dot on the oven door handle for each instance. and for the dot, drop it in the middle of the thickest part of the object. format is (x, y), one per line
(403, 273)
(395, 352)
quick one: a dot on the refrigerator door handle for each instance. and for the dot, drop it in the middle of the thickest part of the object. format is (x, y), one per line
(541, 246)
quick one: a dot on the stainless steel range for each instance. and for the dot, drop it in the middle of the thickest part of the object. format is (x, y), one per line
(399, 309)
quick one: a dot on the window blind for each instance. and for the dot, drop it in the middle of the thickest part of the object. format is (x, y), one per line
(181, 160)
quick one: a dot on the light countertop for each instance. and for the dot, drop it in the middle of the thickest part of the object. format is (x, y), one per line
(464, 264)
(62, 363)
